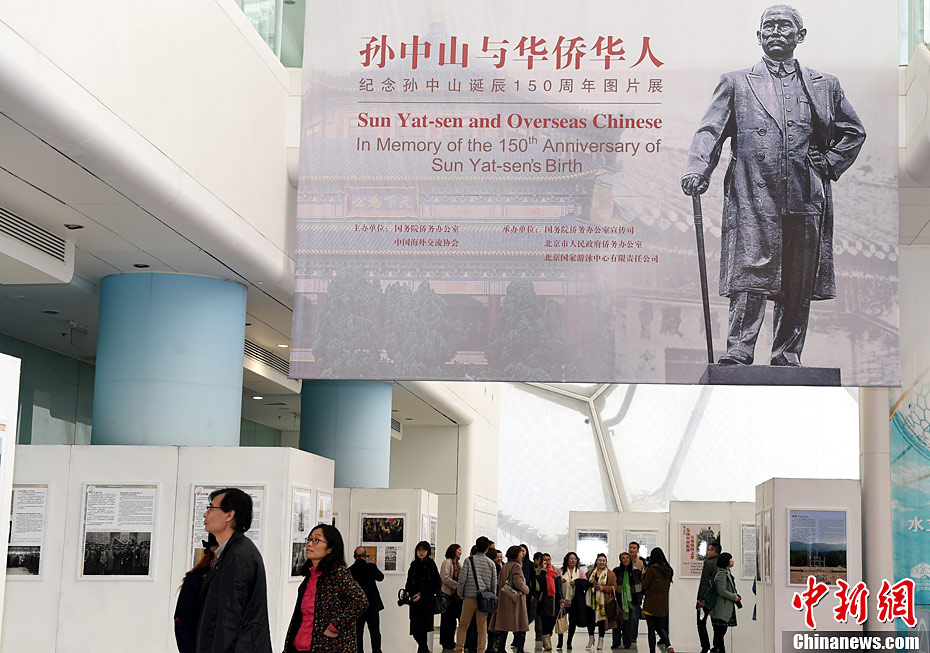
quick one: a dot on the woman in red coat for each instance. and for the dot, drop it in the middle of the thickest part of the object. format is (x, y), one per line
(329, 601)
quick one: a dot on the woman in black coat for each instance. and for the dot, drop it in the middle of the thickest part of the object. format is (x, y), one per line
(187, 612)
(422, 583)
(550, 598)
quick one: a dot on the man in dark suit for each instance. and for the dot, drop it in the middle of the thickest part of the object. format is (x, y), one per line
(792, 132)
(708, 571)
(367, 575)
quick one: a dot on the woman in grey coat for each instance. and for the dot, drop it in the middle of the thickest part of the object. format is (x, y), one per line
(723, 614)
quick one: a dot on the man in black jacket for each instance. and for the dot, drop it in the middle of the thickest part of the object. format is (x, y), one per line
(708, 571)
(234, 598)
(367, 575)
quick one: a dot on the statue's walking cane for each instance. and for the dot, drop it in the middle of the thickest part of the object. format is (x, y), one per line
(699, 233)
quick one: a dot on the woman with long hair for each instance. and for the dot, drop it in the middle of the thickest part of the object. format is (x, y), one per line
(329, 601)
(603, 591)
(629, 596)
(656, 583)
(571, 571)
(187, 611)
(511, 607)
(723, 614)
(449, 577)
(422, 583)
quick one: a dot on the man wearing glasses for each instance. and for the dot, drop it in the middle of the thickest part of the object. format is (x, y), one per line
(234, 598)
(367, 575)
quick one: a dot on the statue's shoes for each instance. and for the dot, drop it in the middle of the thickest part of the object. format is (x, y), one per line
(735, 358)
(788, 360)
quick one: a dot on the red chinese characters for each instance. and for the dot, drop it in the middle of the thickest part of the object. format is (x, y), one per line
(809, 599)
(852, 602)
(892, 601)
(561, 52)
(897, 602)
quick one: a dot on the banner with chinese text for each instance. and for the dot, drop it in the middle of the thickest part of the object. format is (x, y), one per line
(493, 191)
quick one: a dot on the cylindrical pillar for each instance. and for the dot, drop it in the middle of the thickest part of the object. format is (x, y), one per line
(169, 360)
(875, 479)
(349, 422)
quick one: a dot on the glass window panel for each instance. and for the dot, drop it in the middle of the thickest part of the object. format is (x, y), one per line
(549, 465)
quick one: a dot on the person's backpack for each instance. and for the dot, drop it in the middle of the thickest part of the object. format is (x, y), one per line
(710, 595)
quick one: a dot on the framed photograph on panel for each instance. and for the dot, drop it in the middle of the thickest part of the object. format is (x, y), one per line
(383, 536)
(589, 543)
(759, 546)
(747, 540)
(693, 540)
(817, 545)
(27, 530)
(767, 546)
(302, 522)
(324, 507)
(117, 522)
(200, 500)
(646, 539)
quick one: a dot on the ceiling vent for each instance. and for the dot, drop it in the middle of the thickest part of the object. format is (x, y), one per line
(396, 429)
(31, 254)
(264, 356)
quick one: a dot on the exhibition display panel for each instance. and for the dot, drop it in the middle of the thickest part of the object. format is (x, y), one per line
(122, 525)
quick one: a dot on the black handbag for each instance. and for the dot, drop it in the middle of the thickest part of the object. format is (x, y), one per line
(487, 599)
(441, 602)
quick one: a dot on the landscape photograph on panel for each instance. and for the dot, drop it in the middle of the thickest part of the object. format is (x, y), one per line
(817, 546)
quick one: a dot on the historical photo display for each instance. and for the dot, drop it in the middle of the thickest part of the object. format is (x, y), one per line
(647, 540)
(817, 546)
(27, 530)
(694, 539)
(383, 539)
(200, 499)
(302, 522)
(747, 540)
(118, 521)
(758, 546)
(767, 546)
(324, 507)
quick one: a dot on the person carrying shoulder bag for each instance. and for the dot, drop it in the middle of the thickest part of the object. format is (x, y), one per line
(478, 575)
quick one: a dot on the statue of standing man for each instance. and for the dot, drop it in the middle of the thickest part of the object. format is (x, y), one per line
(792, 132)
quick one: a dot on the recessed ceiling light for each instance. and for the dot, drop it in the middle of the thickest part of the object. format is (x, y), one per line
(248, 324)
(283, 346)
(140, 265)
(409, 419)
(74, 227)
(258, 397)
(50, 311)
(394, 410)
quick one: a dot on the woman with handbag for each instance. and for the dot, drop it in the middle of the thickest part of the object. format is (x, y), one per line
(571, 571)
(656, 582)
(511, 609)
(602, 599)
(723, 614)
(550, 599)
(629, 596)
(422, 583)
(449, 576)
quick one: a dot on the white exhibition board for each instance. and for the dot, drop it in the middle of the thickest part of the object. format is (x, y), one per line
(683, 593)
(781, 495)
(351, 504)
(9, 410)
(102, 614)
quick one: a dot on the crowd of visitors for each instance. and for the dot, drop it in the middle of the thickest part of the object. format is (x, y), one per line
(480, 599)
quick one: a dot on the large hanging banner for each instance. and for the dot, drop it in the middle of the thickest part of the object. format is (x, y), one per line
(497, 191)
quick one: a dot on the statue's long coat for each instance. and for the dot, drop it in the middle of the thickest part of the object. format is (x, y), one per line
(763, 184)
